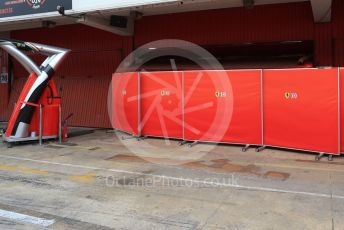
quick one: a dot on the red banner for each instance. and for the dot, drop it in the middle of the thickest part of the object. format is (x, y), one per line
(301, 109)
(125, 103)
(161, 104)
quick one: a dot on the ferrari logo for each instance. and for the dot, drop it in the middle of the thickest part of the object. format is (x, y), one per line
(289, 95)
(35, 4)
(220, 94)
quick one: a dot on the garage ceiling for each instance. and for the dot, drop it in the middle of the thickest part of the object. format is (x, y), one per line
(321, 8)
(321, 11)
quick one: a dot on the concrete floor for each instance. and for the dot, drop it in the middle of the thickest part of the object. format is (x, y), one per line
(95, 182)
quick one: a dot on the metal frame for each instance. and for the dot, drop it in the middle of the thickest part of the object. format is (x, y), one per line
(40, 124)
(60, 124)
(183, 109)
(262, 103)
(339, 118)
(55, 56)
(341, 92)
(303, 150)
(158, 136)
(262, 147)
(139, 128)
(222, 142)
(15, 48)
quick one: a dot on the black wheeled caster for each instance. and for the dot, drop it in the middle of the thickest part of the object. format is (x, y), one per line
(244, 149)
(259, 149)
(182, 143)
(317, 158)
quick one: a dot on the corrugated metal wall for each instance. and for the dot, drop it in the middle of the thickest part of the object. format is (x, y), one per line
(281, 22)
(4, 88)
(266, 23)
(338, 18)
(87, 99)
(323, 44)
(339, 52)
(17, 86)
(338, 31)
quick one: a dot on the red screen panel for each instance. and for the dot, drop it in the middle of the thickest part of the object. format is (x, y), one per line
(125, 102)
(208, 105)
(161, 104)
(246, 123)
(301, 109)
(243, 96)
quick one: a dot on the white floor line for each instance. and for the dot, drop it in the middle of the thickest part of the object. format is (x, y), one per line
(25, 218)
(237, 186)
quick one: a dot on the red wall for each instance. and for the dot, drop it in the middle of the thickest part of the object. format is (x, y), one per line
(85, 75)
(338, 32)
(4, 88)
(338, 18)
(323, 44)
(234, 25)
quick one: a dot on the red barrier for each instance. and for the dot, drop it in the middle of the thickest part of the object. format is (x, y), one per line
(246, 124)
(125, 103)
(208, 107)
(301, 109)
(161, 104)
(342, 108)
(238, 101)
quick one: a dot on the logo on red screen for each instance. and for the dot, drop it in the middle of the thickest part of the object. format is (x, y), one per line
(165, 93)
(220, 94)
(35, 4)
(291, 95)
